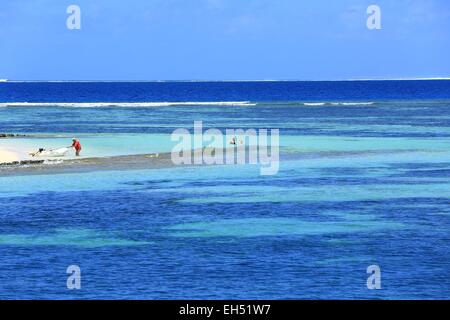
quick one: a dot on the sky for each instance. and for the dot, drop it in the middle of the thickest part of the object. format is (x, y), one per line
(224, 40)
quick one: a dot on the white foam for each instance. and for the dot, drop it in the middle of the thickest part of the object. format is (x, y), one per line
(352, 103)
(318, 104)
(314, 103)
(124, 104)
(52, 162)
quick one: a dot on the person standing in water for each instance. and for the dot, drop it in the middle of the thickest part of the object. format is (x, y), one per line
(77, 145)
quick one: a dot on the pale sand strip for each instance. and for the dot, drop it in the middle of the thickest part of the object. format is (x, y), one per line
(144, 161)
(8, 156)
(55, 166)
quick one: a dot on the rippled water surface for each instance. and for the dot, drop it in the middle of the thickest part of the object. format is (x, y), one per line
(359, 184)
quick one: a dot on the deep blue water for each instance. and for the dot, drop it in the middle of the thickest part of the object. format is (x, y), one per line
(280, 91)
(358, 185)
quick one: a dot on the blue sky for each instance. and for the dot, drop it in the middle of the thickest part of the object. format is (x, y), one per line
(223, 40)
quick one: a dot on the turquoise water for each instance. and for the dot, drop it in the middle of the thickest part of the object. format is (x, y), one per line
(311, 220)
(357, 185)
(113, 144)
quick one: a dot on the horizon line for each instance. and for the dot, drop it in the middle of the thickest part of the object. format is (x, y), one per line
(239, 80)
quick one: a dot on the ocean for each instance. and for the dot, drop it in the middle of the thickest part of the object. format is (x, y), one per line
(363, 180)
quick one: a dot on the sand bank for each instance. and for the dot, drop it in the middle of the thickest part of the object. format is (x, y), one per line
(58, 165)
(8, 156)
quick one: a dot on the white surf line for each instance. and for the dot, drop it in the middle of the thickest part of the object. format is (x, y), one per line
(343, 103)
(124, 104)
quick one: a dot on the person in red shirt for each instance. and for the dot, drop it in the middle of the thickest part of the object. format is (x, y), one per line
(77, 145)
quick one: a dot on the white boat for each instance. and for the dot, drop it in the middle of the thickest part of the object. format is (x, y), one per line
(3, 80)
(61, 152)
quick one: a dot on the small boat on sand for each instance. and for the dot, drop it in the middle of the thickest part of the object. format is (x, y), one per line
(61, 152)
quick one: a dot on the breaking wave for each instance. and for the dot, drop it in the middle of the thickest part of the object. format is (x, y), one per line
(189, 103)
(319, 104)
(124, 104)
